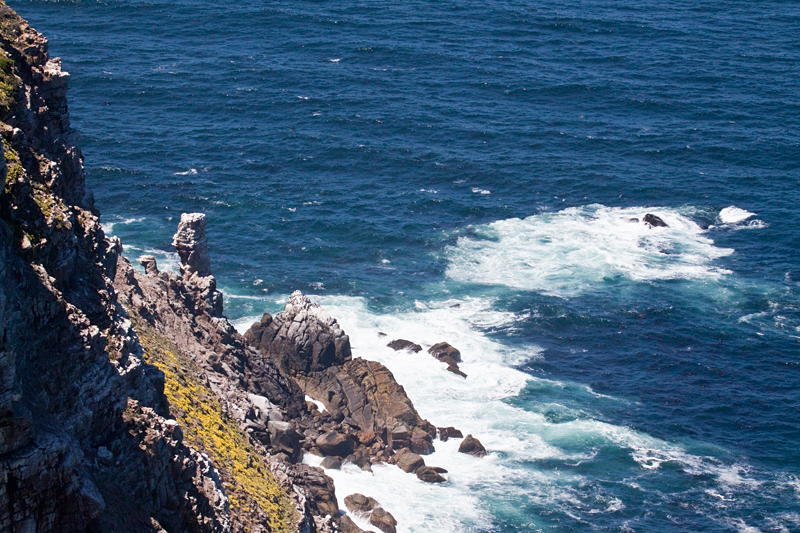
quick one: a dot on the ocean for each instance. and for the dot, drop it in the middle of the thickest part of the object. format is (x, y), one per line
(477, 173)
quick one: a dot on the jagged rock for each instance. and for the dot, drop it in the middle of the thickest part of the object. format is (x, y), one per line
(149, 264)
(334, 443)
(654, 221)
(429, 475)
(472, 446)
(383, 520)
(331, 463)
(447, 354)
(444, 349)
(439, 469)
(192, 244)
(360, 504)
(449, 433)
(402, 344)
(301, 339)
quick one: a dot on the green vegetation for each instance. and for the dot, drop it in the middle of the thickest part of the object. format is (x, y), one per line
(14, 165)
(246, 476)
(9, 84)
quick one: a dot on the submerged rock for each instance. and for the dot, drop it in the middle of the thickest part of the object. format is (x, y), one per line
(654, 221)
(402, 344)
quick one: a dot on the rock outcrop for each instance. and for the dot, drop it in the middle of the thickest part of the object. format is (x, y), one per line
(310, 347)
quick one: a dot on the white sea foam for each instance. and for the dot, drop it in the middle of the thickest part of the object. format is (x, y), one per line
(166, 261)
(189, 172)
(108, 227)
(514, 436)
(733, 214)
(570, 251)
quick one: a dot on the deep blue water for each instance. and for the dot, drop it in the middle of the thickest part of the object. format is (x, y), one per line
(396, 159)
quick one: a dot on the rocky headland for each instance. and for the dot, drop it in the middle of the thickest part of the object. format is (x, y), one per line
(128, 402)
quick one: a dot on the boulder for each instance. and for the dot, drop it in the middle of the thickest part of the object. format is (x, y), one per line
(335, 443)
(331, 463)
(654, 221)
(443, 349)
(407, 460)
(429, 475)
(421, 442)
(360, 504)
(402, 344)
(472, 446)
(383, 520)
(284, 437)
(449, 433)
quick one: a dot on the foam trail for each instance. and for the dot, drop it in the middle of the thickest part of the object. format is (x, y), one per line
(733, 214)
(578, 249)
(516, 438)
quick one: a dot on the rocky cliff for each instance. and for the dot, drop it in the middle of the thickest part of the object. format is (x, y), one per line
(128, 402)
(88, 438)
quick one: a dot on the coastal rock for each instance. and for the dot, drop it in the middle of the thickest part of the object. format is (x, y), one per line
(402, 344)
(443, 349)
(383, 520)
(333, 443)
(654, 221)
(331, 463)
(301, 339)
(407, 460)
(284, 437)
(192, 245)
(429, 475)
(472, 446)
(149, 264)
(449, 355)
(346, 525)
(449, 433)
(360, 504)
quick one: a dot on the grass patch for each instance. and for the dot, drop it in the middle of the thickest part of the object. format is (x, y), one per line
(248, 481)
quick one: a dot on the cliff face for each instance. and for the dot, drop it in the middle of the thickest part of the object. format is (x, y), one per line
(86, 439)
(127, 401)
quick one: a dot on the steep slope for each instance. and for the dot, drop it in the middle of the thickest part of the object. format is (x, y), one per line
(87, 440)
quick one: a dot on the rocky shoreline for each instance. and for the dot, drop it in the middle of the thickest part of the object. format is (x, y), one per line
(128, 401)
